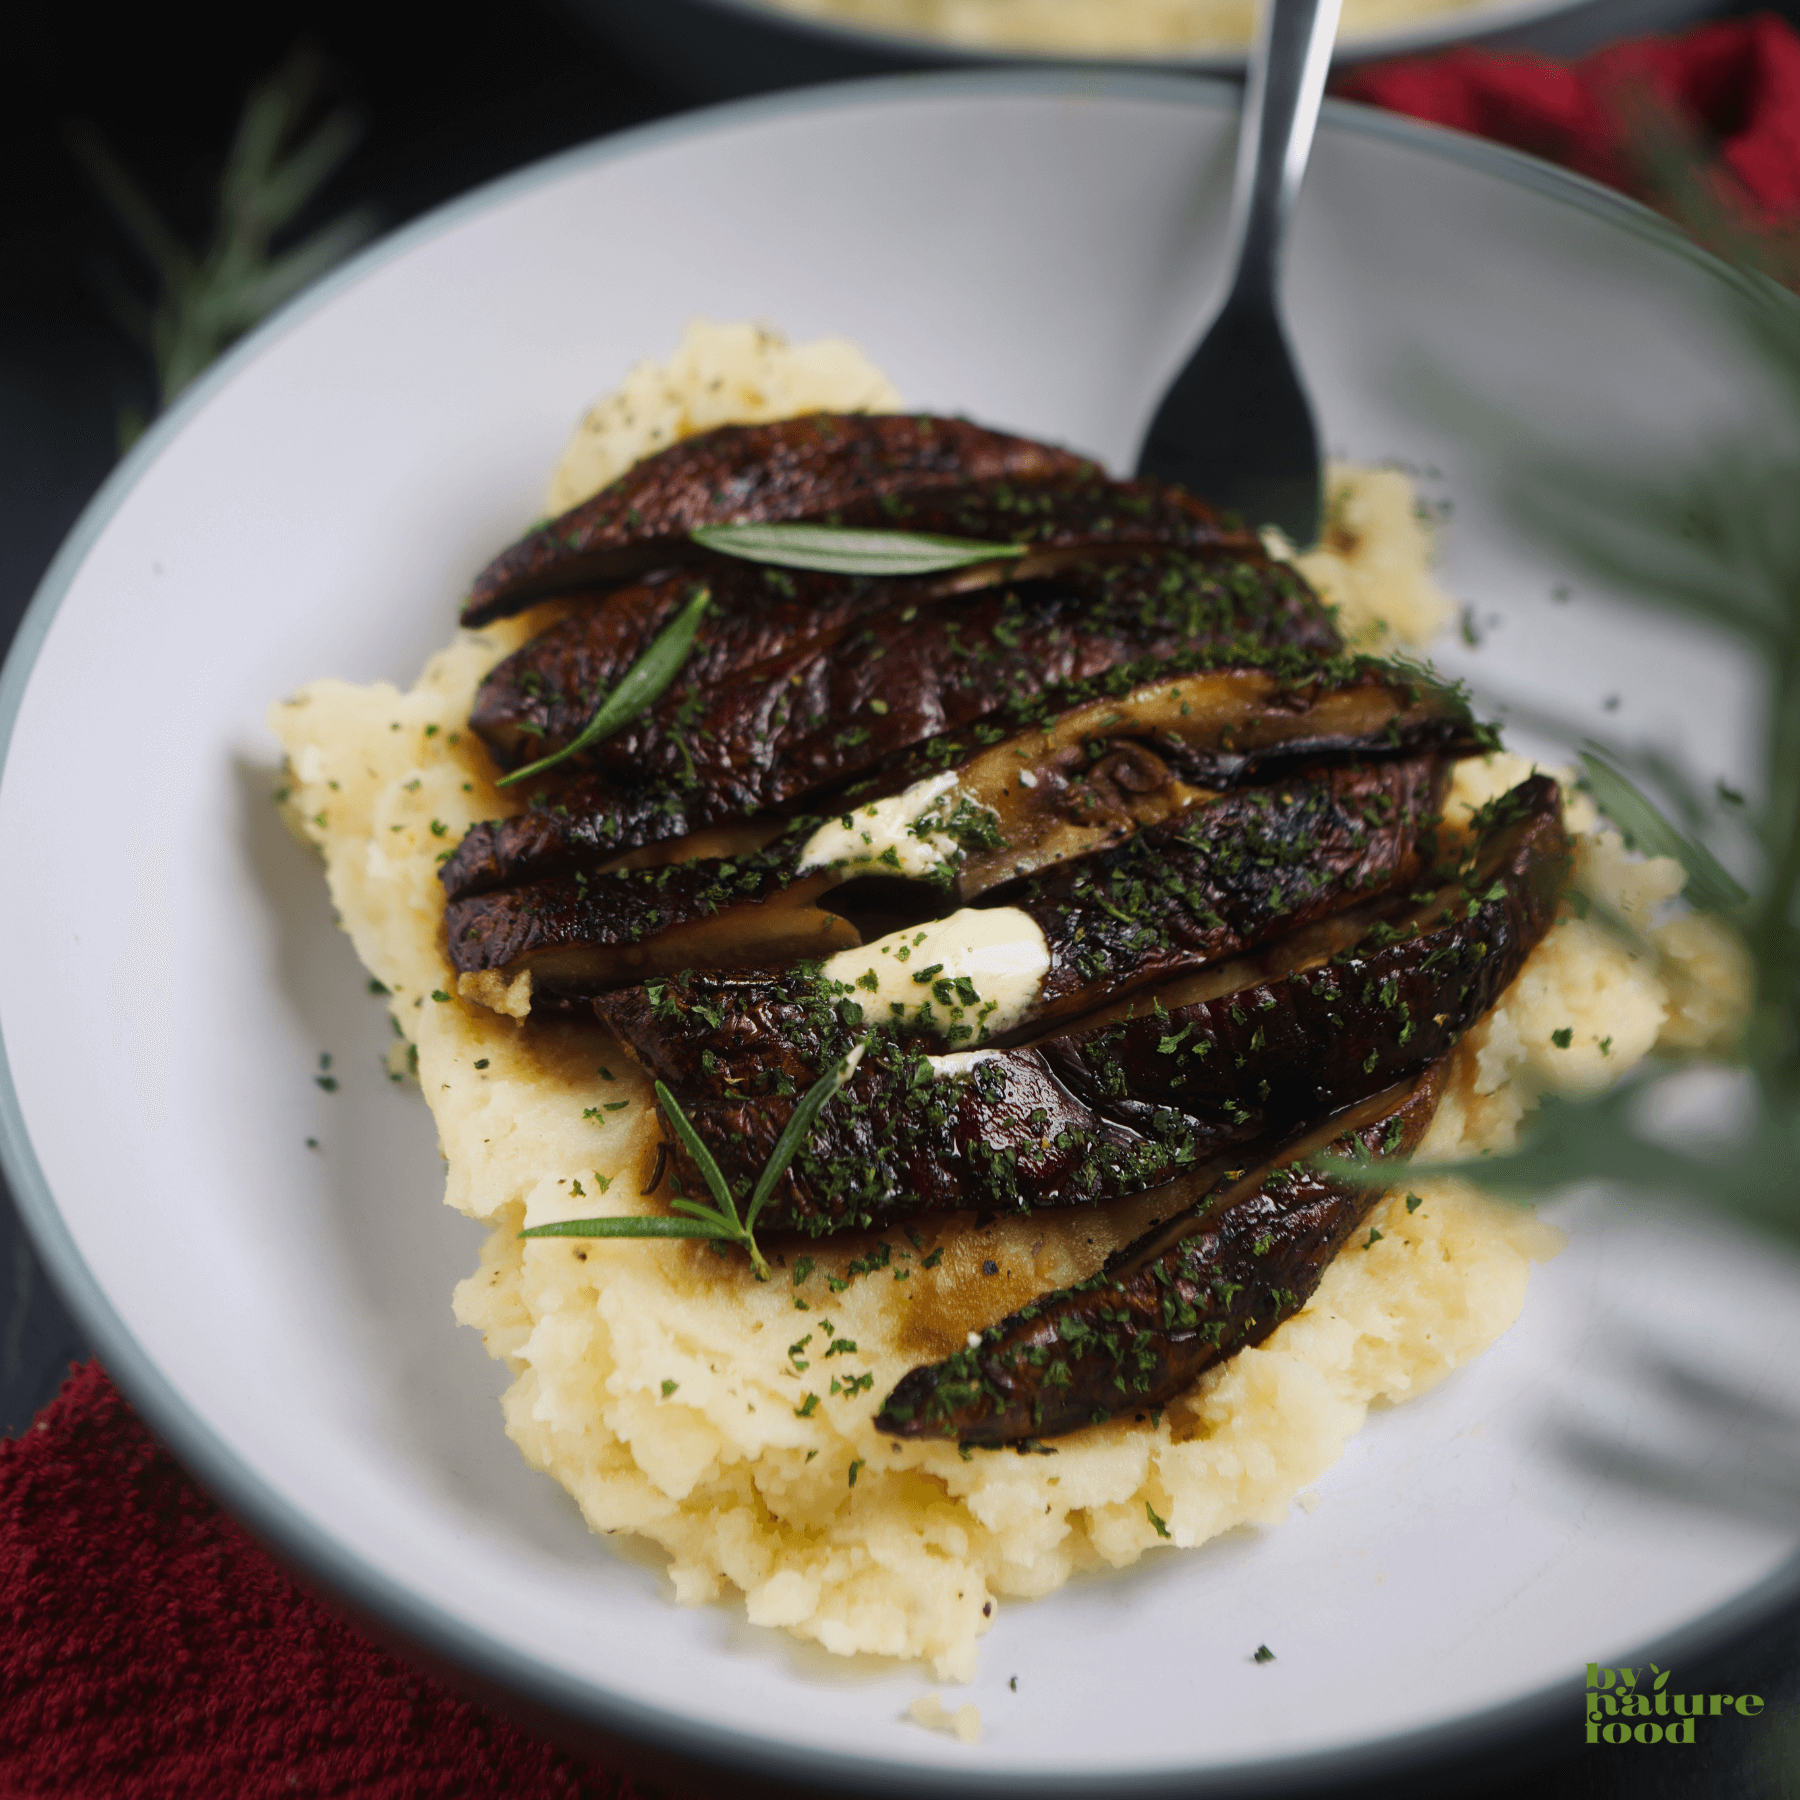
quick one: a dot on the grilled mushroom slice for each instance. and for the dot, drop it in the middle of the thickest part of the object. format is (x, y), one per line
(1189, 1293)
(1203, 1072)
(1219, 729)
(770, 672)
(1082, 781)
(546, 690)
(805, 468)
(1226, 877)
(824, 715)
(1211, 883)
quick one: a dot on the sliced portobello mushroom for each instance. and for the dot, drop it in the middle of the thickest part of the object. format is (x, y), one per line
(1232, 873)
(805, 468)
(1083, 781)
(1202, 1072)
(826, 715)
(770, 668)
(593, 822)
(1189, 1293)
(1225, 877)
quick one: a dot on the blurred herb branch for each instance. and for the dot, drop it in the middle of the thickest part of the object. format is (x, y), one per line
(1716, 543)
(271, 173)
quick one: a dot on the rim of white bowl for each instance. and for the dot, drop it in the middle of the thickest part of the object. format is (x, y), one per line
(1469, 23)
(219, 1468)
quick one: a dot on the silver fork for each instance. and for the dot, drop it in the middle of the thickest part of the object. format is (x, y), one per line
(1235, 426)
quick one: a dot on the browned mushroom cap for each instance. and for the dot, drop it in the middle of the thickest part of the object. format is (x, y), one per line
(1204, 1071)
(1225, 878)
(592, 823)
(1229, 875)
(1085, 780)
(804, 468)
(868, 667)
(1084, 764)
(784, 729)
(1191, 1292)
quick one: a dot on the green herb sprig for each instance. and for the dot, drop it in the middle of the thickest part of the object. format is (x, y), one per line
(850, 550)
(1713, 540)
(1644, 828)
(722, 1219)
(640, 687)
(270, 175)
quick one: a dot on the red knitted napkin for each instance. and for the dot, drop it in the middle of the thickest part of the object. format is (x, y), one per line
(1704, 126)
(151, 1650)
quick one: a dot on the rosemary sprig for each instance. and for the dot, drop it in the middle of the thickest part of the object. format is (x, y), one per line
(640, 687)
(850, 550)
(1712, 539)
(1644, 828)
(721, 1219)
(206, 301)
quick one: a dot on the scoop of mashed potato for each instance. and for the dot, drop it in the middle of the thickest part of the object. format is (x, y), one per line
(719, 375)
(1096, 27)
(731, 1421)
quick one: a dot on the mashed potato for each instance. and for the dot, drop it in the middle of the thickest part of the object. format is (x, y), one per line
(1096, 27)
(730, 1421)
(719, 375)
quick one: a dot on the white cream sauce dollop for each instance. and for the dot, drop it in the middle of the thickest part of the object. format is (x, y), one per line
(965, 978)
(859, 842)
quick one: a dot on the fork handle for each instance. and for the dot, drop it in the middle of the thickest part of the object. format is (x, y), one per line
(1281, 107)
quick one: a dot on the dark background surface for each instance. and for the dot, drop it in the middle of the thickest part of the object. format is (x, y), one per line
(449, 104)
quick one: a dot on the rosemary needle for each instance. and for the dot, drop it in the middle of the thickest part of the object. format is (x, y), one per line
(1644, 828)
(850, 550)
(640, 687)
(720, 1220)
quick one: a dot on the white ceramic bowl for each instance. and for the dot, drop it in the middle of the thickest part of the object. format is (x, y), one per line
(716, 48)
(1038, 252)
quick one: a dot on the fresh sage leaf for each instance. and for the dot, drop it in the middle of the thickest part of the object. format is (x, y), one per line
(850, 550)
(1644, 828)
(641, 686)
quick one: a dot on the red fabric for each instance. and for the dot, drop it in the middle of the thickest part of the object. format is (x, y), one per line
(1730, 92)
(150, 1650)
